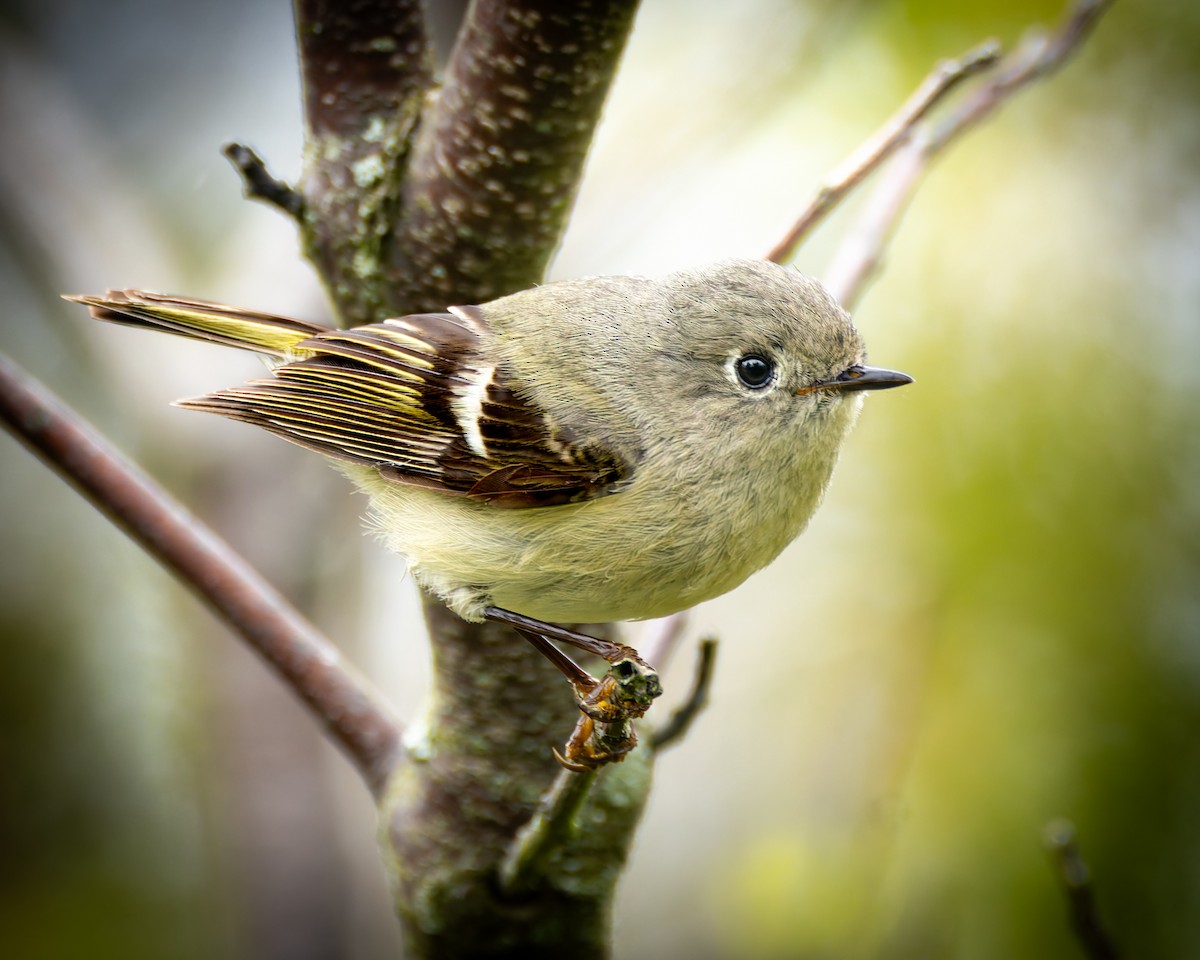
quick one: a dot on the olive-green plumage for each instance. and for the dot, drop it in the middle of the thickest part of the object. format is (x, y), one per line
(600, 449)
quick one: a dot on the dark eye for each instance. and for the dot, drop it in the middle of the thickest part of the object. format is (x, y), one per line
(755, 371)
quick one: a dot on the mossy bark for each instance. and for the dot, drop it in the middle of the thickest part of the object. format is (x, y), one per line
(417, 195)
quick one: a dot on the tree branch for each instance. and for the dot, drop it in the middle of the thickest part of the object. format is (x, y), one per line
(677, 727)
(348, 707)
(549, 827)
(366, 68)
(860, 254)
(1073, 874)
(498, 158)
(946, 76)
(259, 184)
(461, 197)
(1035, 57)
(359, 62)
(412, 200)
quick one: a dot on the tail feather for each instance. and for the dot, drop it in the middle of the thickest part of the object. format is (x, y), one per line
(247, 329)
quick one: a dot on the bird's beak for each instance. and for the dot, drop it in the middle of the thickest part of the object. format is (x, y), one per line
(860, 378)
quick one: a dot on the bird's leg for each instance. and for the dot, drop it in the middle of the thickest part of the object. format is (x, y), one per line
(580, 680)
(604, 733)
(625, 692)
(605, 649)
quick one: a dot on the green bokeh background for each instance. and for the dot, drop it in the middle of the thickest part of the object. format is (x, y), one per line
(993, 621)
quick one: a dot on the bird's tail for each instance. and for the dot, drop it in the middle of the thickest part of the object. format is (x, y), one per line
(261, 332)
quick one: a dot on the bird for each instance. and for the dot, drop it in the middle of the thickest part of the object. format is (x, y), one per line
(589, 450)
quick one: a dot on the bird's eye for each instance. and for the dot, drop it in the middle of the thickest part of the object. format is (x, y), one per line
(755, 371)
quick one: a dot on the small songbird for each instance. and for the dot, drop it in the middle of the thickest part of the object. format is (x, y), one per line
(610, 448)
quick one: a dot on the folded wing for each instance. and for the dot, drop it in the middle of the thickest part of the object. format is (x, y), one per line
(415, 397)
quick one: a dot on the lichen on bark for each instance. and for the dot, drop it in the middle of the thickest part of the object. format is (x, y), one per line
(417, 195)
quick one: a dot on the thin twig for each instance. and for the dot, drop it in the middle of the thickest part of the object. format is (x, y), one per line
(1036, 56)
(355, 715)
(547, 829)
(860, 255)
(1060, 841)
(946, 76)
(259, 184)
(661, 637)
(681, 720)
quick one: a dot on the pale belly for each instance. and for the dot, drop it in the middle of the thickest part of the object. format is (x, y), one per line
(622, 557)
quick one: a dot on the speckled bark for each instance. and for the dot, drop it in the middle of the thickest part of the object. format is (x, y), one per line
(475, 771)
(498, 158)
(366, 68)
(416, 197)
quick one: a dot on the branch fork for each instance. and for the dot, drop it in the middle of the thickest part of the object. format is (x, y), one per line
(532, 53)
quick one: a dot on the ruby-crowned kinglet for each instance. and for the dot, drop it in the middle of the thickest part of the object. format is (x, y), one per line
(612, 448)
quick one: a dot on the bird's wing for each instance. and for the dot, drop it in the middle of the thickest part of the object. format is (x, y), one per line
(415, 397)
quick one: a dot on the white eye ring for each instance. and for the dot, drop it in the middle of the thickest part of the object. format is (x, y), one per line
(753, 370)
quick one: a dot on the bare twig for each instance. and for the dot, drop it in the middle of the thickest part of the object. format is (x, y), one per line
(1060, 841)
(259, 184)
(661, 637)
(354, 714)
(547, 829)
(677, 727)
(1036, 56)
(860, 255)
(946, 76)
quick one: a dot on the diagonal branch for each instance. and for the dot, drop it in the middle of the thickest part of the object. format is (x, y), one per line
(549, 827)
(946, 76)
(355, 715)
(259, 184)
(1059, 838)
(1036, 56)
(680, 722)
(860, 255)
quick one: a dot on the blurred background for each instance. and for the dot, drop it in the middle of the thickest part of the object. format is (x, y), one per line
(993, 621)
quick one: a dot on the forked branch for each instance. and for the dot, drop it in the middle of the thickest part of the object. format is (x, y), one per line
(944, 78)
(1036, 56)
